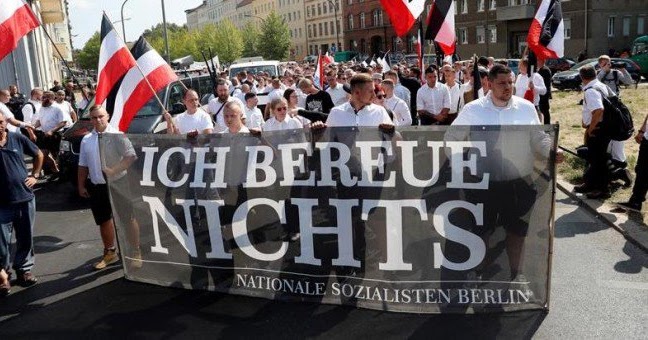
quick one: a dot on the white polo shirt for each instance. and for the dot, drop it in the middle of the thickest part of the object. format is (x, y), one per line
(215, 107)
(592, 99)
(522, 84)
(8, 114)
(520, 156)
(434, 99)
(275, 94)
(29, 112)
(456, 98)
(400, 109)
(242, 130)
(67, 109)
(253, 117)
(289, 123)
(50, 117)
(370, 115)
(338, 95)
(90, 157)
(186, 122)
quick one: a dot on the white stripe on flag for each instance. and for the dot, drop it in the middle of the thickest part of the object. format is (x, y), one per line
(8, 8)
(557, 43)
(148, 62)
(415, 7)
(109, 46)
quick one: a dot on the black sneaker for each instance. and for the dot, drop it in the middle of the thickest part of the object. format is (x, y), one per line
(630, 206)
(599, 194)
(583, 189)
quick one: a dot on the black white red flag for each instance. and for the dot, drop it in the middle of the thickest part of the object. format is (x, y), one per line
(16, 20)
(547, 32)
(441, 26)
(134, 91)
(403, 13)
(114, 60)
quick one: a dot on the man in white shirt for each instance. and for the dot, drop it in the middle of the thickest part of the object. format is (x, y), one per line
(13, 124)
(335, 89)
(68, 111)
(398, 107)
(232, 115)
(359, 110)
(216, 105)
(400, 91)
(456, 92)
(277, 91)
(91, 181)
(597, 175)
(50, 121)
(192, 122)
(252, 114)
(500, 107)
(433, 100)
(32, 106)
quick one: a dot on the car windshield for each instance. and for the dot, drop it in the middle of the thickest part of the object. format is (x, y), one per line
(151, 108)
(639, 48)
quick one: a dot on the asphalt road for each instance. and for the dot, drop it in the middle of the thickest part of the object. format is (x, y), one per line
(599, 290)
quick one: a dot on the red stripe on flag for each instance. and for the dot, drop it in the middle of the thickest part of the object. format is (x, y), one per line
(533, 39)
(115, 68)
(159, 78)
(399, 16)
(13, 29)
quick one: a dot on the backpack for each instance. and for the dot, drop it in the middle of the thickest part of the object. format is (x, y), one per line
(617, 120)
(28, 103)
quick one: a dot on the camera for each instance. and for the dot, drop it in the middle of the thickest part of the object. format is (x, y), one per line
(618, 64)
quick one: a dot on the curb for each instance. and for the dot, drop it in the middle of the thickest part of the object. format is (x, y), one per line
(636, 233)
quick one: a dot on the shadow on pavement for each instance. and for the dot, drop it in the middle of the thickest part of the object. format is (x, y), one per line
(127, 309)
(634, 264)
(59, 196)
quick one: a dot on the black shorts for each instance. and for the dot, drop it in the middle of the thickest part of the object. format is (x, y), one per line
(100, 201)
(48, 143)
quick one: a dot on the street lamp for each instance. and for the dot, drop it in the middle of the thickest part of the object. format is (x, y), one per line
(118, 21)
(337, 25)
(166, 36)
(122, 19)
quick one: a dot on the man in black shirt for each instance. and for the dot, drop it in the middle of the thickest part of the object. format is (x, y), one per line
(413, 84)
(316, 100)
(17, 205)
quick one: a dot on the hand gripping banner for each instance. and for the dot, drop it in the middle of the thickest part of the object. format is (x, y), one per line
(428, 220)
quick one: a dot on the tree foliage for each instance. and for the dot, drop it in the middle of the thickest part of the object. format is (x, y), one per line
(251, 35)
(88, 57)
(274, 42)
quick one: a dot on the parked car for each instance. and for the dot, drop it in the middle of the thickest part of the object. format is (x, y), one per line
(148, 120)
(559, 64)
(570, 79)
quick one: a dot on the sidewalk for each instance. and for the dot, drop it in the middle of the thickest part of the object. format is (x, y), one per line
(627, 223)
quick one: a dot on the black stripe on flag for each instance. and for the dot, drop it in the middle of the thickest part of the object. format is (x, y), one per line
(106, 27)
(436, 18)
(140, 48)
(551, 22)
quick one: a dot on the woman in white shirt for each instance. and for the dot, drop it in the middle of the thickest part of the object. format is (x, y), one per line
(292, 98)
(280, 120)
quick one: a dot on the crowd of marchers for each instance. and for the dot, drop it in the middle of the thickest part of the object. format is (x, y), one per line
(347, 94)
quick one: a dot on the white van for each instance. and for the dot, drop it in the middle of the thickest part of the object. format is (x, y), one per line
(269, 66)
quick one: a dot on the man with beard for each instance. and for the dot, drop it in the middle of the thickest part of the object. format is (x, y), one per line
(216, 105)
(49, 121)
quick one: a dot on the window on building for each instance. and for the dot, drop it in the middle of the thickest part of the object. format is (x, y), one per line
(310, 31)
(324, 8)
(464, 6)
(350, 21)
(320, 28)
(640, 24)
(319, 9)
(362, 20)
(480, 5)
(626, 26)
(326, 29)
(332, 29)
(492, 33)
(481, 32)
(493, 5)
(350, 2)
(462, 35)
(567, 23)
(610, 26)
(377, 17)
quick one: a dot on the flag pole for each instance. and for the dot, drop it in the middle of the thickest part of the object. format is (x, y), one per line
(141, 72)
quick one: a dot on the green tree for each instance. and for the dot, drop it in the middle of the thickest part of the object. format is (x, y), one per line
(88, 57)
(274, 42)
(251, 33)
(225, 41)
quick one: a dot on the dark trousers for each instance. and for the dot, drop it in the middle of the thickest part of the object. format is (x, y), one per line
(598, 174)
(641, 182)
(544, 109)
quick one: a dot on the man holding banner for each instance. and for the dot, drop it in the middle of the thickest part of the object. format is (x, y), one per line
(509, 180)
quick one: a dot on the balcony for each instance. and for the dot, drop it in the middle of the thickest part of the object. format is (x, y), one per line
(519, 12)
(52, 11)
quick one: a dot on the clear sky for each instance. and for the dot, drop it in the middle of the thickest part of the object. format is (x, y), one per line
(85, 16)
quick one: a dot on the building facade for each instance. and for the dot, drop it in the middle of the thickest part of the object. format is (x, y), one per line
(499, 27)
(197, 17)
(324, 30)
(35, 62)
(292, 12)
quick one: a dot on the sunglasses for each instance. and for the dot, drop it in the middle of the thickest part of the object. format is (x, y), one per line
(281, 109)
